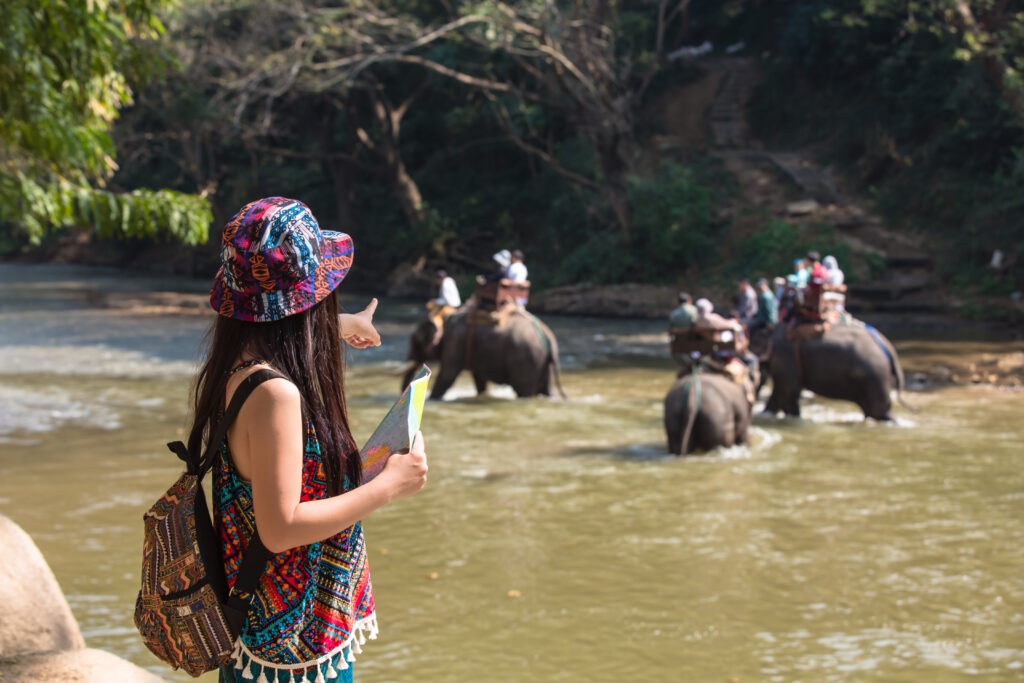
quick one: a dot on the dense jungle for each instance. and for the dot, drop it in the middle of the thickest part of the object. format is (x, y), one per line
(615, 142)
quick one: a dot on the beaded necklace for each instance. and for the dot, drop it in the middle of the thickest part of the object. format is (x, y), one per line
(247, 364)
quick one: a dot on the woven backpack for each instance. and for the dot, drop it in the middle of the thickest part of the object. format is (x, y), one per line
(184, 611)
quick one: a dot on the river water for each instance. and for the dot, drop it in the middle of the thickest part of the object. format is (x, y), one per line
(556, 541)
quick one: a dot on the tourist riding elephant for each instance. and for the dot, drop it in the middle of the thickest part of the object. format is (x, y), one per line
(705, 411)
(521, 352)
(851, 362)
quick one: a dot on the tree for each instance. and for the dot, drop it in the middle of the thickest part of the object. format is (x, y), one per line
(994, 37)
(271, 70)
(569, 59)
(64, 72)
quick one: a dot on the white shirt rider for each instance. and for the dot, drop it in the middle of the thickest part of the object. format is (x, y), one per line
(449, 294)
(517, 271)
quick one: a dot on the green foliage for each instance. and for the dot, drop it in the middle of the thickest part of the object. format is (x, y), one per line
(673, 228)
(64, 77)
(268, 103)
(139, 213)
(771, 250)
(908, 100)
(673, 216)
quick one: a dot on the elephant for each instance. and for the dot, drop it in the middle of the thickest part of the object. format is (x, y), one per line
(721, 417)
(851, 362)
(522, 351)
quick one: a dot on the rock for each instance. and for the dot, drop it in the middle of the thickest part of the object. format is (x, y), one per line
(80, 665)
(803, 207)
(1011, 362)
(616, 301)
(34, 616)
(412, 280)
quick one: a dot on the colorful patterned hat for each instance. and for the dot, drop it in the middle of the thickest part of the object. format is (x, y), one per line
(276, 261)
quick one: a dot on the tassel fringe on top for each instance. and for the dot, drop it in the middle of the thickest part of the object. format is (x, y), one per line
(320, 670)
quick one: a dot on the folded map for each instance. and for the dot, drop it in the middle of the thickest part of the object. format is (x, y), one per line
(396, 431)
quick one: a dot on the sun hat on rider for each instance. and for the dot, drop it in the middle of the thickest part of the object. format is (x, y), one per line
(503, 258)
(276, 261)
(704, 306)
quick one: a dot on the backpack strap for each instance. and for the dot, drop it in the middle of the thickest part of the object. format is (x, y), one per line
(256, 556)
(220, 430)
(199, 466)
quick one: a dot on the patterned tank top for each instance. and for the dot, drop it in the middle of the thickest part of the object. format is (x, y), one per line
(313, 609)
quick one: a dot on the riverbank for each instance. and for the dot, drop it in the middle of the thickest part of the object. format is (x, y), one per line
(936, 351)
(932, 364)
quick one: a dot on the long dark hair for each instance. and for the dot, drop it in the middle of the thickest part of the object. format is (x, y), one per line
(305, 348)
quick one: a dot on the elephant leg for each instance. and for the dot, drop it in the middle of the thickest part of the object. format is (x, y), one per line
(526, 383)
(481, 383)
(785, 397)
(674, 422)
(544, 382)
(727, 433)
(792, 408)
(762, 380)
(706, 434)
(444, 381)
(741, 420)
(524, 389)
(674, 418)
(877, 404)
(409, 374)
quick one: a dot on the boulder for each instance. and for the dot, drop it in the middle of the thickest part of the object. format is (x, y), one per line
(613, 301)
(80, 665)
(412, 281)
(34, 616)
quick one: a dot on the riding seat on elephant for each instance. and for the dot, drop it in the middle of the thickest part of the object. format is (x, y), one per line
(849, 361)
(513, 347)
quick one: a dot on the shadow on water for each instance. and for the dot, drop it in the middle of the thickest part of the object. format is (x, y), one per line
(640, 452)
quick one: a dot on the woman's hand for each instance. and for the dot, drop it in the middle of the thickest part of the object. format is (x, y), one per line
(406, 473)
(357, 328)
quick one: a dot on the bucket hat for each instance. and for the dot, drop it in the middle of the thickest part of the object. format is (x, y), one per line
(276, 261)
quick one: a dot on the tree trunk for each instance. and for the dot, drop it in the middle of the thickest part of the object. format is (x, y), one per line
(408, 192)
(338, 170)
(614, 169)
(340, 173)
(403, 185)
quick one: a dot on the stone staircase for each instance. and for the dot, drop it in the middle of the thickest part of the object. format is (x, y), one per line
(906, 287)
(728, 113)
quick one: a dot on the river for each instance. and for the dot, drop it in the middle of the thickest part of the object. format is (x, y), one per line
(555, 541)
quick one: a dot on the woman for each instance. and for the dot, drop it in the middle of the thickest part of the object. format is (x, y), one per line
(289, 467)
(835, 275)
